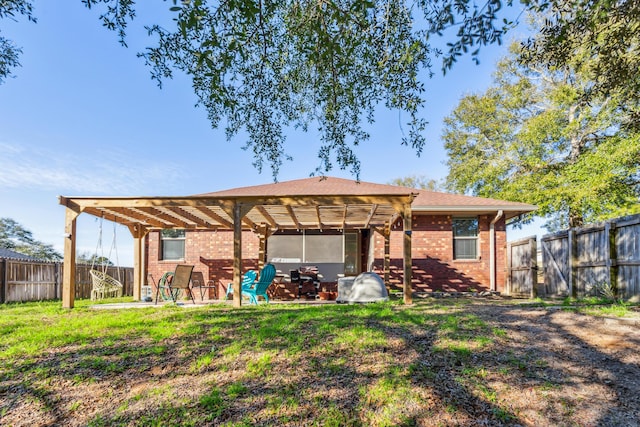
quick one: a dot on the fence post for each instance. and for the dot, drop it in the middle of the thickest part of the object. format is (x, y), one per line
(533, 247)
(612, 256)
(56, 279)
(573, 261)
(3, 282)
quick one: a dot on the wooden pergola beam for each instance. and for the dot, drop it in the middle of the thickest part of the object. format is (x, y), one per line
(189, 217)
(142, 216)
(212, 215)
(195, 201)
(374, 208)
(320, 225)
(292, 214)
(267, 217)
(344, 216)
(166, 217)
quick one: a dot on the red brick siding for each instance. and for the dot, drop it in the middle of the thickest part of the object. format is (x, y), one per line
(211, 252)
(432, 256)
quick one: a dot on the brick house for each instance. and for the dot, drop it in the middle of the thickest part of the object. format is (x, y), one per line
(458, 243)
(417, 240)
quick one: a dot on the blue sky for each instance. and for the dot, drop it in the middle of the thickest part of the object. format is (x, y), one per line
(82, 117)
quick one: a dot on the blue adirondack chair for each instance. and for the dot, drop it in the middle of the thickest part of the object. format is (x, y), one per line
(247, 281)
(265, 279)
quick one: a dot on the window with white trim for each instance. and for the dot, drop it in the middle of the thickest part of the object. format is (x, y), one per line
(172, 243)
(465, 238)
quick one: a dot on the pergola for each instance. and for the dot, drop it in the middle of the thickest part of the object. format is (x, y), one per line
(261, 214)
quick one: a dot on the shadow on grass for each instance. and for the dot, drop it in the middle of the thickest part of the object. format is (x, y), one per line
(360, 365)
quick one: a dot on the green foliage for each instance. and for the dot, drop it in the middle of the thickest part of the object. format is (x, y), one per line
(9, 52)
(93, 259)
(17, 238)
(531, 137)
(418, 181)
(597, 38)
(261, 67)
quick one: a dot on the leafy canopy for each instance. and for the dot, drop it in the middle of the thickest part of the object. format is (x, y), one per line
(418, 181)
(596, 38)
(260, 67)
(17, 238)
(532, 137)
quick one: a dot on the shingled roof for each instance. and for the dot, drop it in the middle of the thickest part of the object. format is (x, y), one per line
(425, 200)
(322, 186)
(9, 254)
(310, 203)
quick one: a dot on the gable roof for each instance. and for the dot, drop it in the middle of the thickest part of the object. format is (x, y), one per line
(324, 186)
(310, 203)
(425, 201)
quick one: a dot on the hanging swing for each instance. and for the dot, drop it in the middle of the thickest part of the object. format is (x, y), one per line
(105, 286)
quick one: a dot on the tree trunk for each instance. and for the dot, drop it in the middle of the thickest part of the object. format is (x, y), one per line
(575, 218)
(577, 144)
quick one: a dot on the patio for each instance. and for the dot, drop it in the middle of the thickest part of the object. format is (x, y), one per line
(372, 206)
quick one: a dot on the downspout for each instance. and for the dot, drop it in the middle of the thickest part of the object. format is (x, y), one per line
(492, 249)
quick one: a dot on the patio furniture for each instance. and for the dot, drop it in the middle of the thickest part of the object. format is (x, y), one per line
(260, 287)
(247, 281)
(104, 286)
(306, 275)
(197, 281)
(174, 283)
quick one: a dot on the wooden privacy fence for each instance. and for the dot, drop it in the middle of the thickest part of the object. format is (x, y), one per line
(522, 267)
(582, 261)
(34, 281)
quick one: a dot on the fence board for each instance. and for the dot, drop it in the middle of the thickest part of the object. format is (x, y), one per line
(36, 281)
(627, 242)
(522, 272)
(580, 260)
(555, 261)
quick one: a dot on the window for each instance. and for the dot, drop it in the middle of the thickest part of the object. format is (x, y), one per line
(172, 243)
(465, 238)
(351, 253)
(308, 247)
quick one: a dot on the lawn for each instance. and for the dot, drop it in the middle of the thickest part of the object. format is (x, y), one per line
(435, 363)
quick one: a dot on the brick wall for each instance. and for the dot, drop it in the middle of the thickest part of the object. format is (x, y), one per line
(434, 268)
(211, 252)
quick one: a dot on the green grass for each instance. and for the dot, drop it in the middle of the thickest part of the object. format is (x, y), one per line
(333, 365)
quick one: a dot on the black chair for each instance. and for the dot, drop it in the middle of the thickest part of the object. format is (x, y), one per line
(295, 278)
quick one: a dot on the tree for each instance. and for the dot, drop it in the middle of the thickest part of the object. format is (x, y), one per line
(262, 66)
(531, 137)
(418, 181)
(9, 52)
(93, 259)
(15, 237)
(596, 38)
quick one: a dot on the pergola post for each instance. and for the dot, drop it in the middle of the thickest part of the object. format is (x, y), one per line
(407, 262)
(69, 261)
(237, 211)
(138, 232)
(386, 233)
